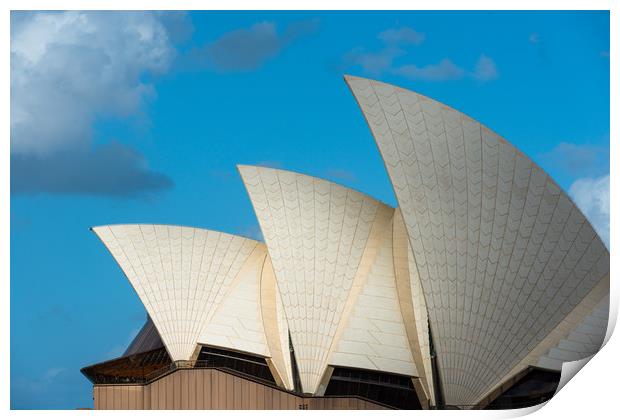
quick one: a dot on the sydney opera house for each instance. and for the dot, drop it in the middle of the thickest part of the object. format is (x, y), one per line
(471, 294)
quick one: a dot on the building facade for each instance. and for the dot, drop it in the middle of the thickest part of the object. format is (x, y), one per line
(470, 294)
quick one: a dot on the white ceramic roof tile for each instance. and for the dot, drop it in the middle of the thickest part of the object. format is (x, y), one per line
(237, 323)
(316, 232)
(374, 330)
(501, 251)
(180, 274)
(284, 339)
(413, 304)
(585, 340)
(421, 319)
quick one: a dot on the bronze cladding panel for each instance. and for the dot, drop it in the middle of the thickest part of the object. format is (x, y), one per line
(154, 387)
(260, 398)
(221, 389)
(245, 395)
(184, 390)
(191, 391)
(200, 389)
(109, 395)
(169, 387)
(146, 398)
(131, 398)
(125, 398)
(237, 396)
(176, 388)
(96, 398)
(207, 389)
(230, 392)
(207, 379)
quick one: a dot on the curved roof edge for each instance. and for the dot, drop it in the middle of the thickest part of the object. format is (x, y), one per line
(312, 225)
(348, 78)
(163, 263)
(318, 178)
(458, 182)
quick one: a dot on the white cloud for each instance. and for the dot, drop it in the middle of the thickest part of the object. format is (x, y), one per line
(51, 373)
(41, 383)
(403, 35)
(485, 69)
(68, 68)
(247, 49)
(373, 63)
(591, 195)
(444, 70)
(577, 160)
(384, 60)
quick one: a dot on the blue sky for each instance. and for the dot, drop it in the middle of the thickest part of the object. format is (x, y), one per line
(142, 117)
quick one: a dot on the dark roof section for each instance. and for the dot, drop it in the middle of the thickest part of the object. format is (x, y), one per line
(147, 339)
(392, 390)
(535, 387)
(135, 368)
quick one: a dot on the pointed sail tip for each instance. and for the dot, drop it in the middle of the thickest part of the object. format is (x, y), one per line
(349, 78)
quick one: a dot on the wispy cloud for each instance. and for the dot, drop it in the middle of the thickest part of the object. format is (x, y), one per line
(392, 57)
(51, 373)
(373, 63)
(485, 69)
(55, 314)
(538, 44)
(112, 169)
(69, 69)
(247, 49)
(401, 36)
(576, 160)
(444, 70)
(591, 195)
(588, 166)
(41, 383)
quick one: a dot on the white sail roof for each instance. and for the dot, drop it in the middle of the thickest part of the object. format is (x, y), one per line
(374, 335)
(582, 341)
(181, 275)
(237, 323)
(317, 234)
(502, 253)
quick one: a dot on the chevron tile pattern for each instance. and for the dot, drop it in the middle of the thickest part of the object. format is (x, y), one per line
(284, 341)
(485, 254)
(502, 253)
(316, 232)
(374, 335)
(276, 326)
(583, 341)
(181, 275)
(412, 303)
(237, 322)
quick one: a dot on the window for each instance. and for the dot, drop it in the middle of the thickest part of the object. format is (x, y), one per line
(537, 386)
(247, 364)
(390, 389)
